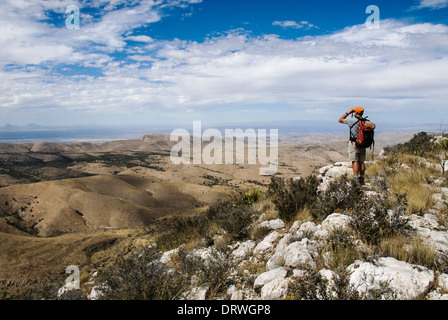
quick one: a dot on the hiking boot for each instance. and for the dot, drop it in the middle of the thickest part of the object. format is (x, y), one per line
(361, 180)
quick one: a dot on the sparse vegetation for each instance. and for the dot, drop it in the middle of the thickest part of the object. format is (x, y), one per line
(291, 196)
(402, 183)
(420, 145)
(374, 219)
(409, 170)
(231, 217)
(412, 250)
(140, 277)
(339, 250)
(313, 285)
(143, 277)
(341, 195)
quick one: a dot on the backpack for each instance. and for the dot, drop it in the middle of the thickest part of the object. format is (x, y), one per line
(365, 137)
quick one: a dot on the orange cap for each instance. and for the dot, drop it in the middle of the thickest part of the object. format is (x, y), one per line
(358, 109)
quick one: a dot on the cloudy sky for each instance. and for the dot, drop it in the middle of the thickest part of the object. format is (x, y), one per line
(144, 62)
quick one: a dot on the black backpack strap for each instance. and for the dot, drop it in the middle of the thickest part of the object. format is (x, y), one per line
(352, 138)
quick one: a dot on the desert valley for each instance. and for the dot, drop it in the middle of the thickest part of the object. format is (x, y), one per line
(86, 204)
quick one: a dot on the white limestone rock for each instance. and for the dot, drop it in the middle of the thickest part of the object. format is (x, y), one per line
(273, 224)
(269, 276)
(300, 253)
(336, 221)
(243, 250)
(277, 259)
(429, 229)
(275, 290)
(267, 244)
(406, 280)
(307, 230)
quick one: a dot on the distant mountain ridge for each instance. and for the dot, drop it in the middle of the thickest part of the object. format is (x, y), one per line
(37, 133)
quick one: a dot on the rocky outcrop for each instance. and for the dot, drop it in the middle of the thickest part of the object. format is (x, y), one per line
(405, 281)
(287, 253)
(293, 252)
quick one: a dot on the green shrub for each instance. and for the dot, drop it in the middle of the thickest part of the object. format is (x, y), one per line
(314, 286)
(340, 195)
(140, 277)
(376, 218)
(339, 244)
(183, 230)
(291, 196)
(311, 286)
(143, 277)
(248, 197)
(419, 145)
(212, 272)
(235, 219)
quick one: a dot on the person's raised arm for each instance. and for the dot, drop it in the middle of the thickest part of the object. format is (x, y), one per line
(345, 115)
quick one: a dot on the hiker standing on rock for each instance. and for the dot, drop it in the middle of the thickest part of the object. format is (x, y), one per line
(356, 147)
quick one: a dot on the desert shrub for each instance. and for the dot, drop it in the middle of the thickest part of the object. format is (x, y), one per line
(248, 196)
(339, 196)
(375, 218)
(312, 285)
(235, 219)
(183, 230)
(338, 250)
(233, 215)
(212, 272)
(419, 145)
(140, 277)
(290, 196)
(442, 263)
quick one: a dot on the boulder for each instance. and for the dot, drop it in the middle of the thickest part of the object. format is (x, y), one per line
(442, 282)
(198, 293)
(307, 230)
(429, 229)
(336, 221)
(275, 290)
(269, 276)
(267, 244)
(167, 256)
(295, 227)
(333, 173)
(243, 250)
(300, 253)
(277, 259)
(273, 224)
(406, 281)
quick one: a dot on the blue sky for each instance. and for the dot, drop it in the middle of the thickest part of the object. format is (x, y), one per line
(174, 61)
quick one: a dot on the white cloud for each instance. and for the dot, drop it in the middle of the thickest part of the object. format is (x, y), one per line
(432, 4)
(400, 65)
(294, 24)
(140, 38)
